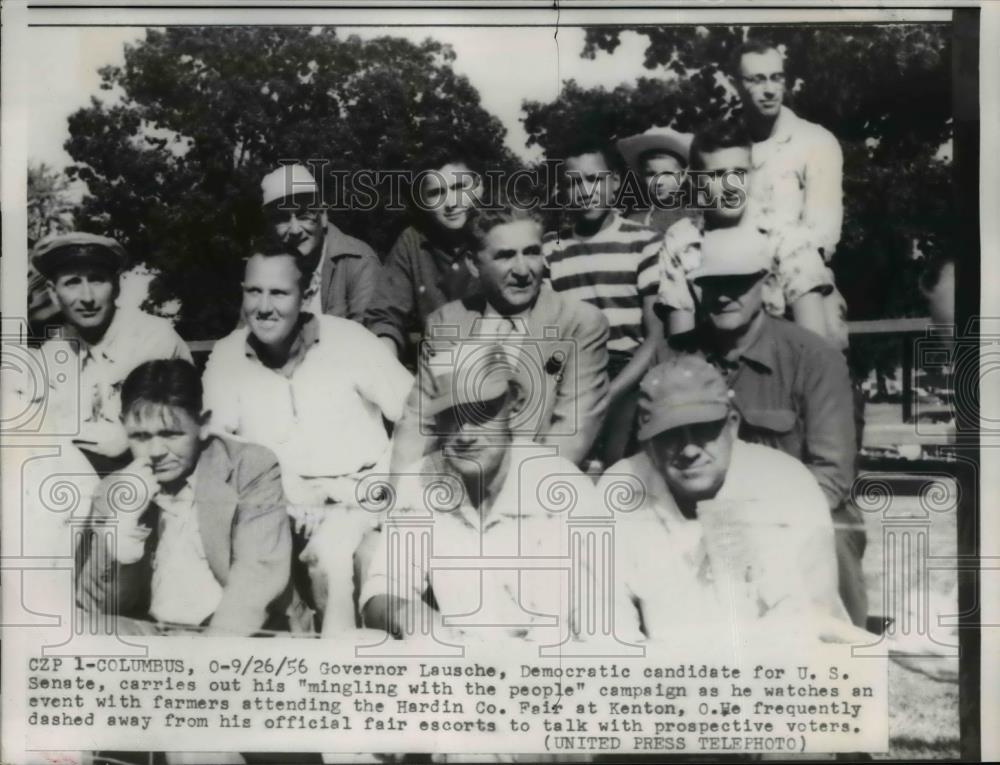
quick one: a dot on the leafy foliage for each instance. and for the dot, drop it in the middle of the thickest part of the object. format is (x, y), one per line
(173, 166)
(50, 205)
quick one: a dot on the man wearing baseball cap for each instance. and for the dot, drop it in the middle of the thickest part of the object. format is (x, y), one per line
(344, 269)
(725, 530)
(484, 491)
(107, 342)
(791, 387)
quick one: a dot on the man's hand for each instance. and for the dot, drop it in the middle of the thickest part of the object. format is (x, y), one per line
(132, 536)
(131, 544)
(102, 437)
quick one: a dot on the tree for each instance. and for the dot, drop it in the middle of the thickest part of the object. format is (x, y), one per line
(50, 205)
(883, 90)
(173, 168)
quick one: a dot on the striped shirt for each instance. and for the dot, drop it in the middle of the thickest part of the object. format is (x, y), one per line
(613, 270)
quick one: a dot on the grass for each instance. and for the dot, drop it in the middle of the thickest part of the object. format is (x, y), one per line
(923, 713)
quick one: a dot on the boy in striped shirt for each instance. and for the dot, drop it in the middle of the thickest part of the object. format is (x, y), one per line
(612, 263)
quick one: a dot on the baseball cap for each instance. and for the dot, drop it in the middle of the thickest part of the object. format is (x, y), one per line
(684, 390)
(287, 181)
(737, 251)
(473, 381)
(77, 246)
(661, 138)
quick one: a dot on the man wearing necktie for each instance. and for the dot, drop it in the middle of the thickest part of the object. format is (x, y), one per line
(207, 540)
(558, 344)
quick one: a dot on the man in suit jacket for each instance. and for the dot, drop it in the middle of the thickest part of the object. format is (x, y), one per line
(207, 539)
(557, 345)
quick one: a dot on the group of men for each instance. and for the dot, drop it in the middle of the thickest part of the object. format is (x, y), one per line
(697, 348)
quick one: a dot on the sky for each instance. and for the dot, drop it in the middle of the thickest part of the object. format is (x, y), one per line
(506, 66)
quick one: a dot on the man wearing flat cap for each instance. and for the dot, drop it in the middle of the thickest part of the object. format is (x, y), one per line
(485, 490)
(344, 270)
(82, 271)
(726, 531)
(791, 387)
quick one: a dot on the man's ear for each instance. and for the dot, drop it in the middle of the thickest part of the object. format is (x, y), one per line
(517, 397)
(733, 420)
(204, 420)
(470, 262)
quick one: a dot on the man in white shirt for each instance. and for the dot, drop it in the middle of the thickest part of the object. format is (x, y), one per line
(83, 272)
(797, 174)
(315, 390)
(483, 490)
(727, 531)
(203, 538)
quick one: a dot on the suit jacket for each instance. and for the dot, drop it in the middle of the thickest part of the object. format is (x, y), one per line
(244, 528)
(563, 356)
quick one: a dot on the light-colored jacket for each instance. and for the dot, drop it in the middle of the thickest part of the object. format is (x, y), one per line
(561, 346)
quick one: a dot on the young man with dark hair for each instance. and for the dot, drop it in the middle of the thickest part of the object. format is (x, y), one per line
(612, 263)
(426, 266)
(83, 273)
(798, 285)
(513, 306)
(211, 546)
(315, 390)
(344, 269)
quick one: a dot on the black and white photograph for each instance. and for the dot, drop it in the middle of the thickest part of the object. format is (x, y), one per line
(561, 382)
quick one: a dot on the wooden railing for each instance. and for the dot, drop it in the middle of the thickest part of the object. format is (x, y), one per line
(907, 330)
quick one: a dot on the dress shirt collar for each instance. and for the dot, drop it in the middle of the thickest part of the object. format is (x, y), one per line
(760, 352)
(186, 494)
(105, 347)
(784, 126)
(498, 509)
(307, 335)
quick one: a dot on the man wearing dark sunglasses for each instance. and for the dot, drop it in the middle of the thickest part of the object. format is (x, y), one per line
(791, 387)
(344, 269)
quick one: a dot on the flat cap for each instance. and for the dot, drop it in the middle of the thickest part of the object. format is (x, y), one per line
(55, 250)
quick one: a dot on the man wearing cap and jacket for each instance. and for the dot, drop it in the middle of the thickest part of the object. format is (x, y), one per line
(726, 531)
(344, 269)
(791, 387)
(563, 341)
(107, 342)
